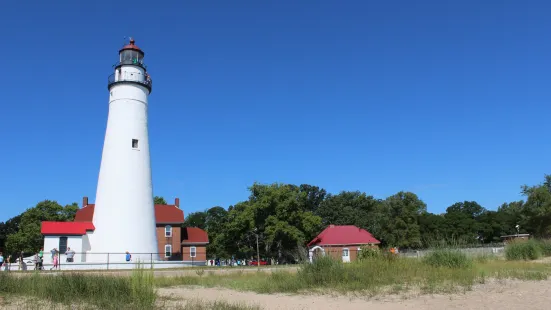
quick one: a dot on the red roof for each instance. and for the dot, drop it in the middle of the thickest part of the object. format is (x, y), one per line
(164, 214)
(168, 214)
(131, 46)
(343, 235)
(66, 228)
(86, 214)
(192, 235)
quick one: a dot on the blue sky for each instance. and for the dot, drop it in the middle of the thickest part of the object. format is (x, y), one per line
(449, 99)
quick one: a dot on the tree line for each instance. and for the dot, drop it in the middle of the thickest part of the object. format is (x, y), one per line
(285, 217)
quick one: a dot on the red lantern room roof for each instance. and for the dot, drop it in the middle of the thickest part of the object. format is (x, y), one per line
(131, 46)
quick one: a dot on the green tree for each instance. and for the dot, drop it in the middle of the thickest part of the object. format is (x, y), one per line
(400, 219)
(158, 200)
(353, 208)
(29, 238)
(512, 214)
(433, 229)
(462, 219)
(311, 197)
(215, 223)
(537, 209)
(281, 218)
(196, 219)
(10, 227)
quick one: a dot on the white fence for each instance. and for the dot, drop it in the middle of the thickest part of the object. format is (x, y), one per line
(478, 251)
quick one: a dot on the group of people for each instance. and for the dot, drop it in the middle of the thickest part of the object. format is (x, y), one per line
(39, 258)
(230, 262)
(5, 264)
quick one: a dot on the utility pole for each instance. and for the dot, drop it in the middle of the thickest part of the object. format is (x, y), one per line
(257, 250)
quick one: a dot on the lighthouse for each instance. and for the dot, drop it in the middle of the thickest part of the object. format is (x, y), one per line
(124, 216)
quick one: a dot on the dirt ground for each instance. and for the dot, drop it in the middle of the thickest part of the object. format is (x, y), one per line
(499, 295)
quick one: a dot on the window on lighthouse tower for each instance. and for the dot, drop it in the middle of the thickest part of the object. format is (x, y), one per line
(134, 143)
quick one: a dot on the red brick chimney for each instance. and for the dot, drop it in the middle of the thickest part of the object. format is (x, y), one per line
(84, 201)
(177, 202)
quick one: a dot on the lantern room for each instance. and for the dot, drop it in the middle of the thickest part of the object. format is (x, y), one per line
(131, 54)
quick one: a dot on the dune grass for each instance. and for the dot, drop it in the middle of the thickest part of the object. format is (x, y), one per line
(528, 250)
(439, 272)
(448, 258)
(103, 291)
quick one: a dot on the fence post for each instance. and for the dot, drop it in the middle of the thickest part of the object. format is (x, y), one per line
(151, 261)
(107, 261)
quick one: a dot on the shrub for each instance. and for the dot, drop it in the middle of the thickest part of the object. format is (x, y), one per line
(523, 250)
(447, 258)
(322, 271)
(368, 252)
(545, 246)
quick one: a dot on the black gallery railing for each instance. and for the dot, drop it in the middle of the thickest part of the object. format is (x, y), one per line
(129, 78)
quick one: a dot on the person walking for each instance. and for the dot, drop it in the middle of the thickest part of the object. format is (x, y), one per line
(56, 262)
(21, 262)
(8, 263)
(37, 261)
(41, 253)
(1, 260)
(53, 252)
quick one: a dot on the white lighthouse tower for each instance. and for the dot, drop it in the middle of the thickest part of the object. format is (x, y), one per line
(124, 216)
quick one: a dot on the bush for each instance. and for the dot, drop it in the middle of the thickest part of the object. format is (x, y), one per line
(545, 246)
(368, 252)
(447, 258)
(322, 271)
(523, 250)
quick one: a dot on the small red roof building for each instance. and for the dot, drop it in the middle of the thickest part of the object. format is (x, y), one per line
(335, 235)
(66, 228)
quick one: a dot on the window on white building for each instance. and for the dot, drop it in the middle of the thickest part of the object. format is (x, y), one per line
(168, 250)
(193, 251)
(62, 245)
(134, 143)
(168, 231)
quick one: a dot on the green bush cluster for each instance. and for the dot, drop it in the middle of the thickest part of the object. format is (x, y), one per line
(368, 252)
(447, 258)
(545, 246)
(374, 272)
(323, 270)
(528, 250)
